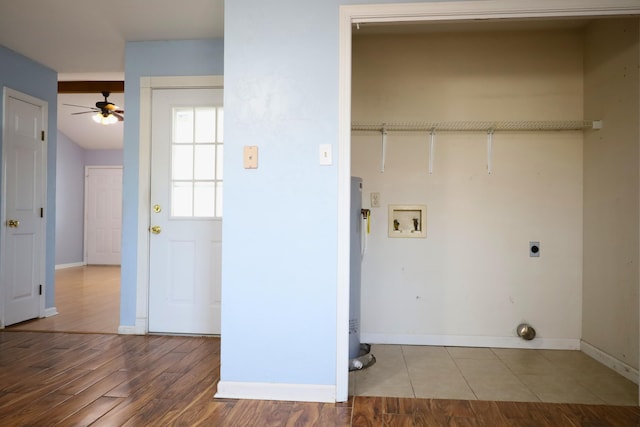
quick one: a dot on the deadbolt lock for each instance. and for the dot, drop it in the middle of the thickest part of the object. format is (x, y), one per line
(157, 208)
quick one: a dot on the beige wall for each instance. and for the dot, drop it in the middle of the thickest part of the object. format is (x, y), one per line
(610, 294)
(471, 281)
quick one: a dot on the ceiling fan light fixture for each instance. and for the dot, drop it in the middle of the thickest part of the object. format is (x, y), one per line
(105, 119)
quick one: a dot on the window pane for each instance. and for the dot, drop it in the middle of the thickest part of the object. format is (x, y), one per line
(181, 199)
(205, 124)
(204, 198)
(182, 162)
(219, 199)
(205, 162)
(220, 124)
(182, 125)
(219, 162)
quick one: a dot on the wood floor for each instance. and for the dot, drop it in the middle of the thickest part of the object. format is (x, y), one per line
(87, 300)
(104, 379)
(113, 380)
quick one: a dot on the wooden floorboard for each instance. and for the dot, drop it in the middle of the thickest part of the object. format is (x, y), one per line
(110, 380)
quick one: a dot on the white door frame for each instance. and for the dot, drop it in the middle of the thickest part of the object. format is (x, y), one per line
(87, 168)
(435, 11)
(147, 84)
(8, 92)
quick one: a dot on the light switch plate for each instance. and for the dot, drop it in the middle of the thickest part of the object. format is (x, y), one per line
(250, 157)
(325, 154)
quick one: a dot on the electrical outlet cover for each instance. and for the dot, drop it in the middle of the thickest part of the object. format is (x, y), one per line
(534, 249)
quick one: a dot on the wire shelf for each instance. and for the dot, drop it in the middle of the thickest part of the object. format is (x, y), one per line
(475, 126)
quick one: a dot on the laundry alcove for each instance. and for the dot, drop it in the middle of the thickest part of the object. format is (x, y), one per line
(471, 281)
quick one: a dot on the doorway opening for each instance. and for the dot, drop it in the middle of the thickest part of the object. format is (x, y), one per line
(448, 154)
(88, 210)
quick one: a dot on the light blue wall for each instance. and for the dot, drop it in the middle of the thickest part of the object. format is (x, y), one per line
(22, 74)
(279, 265)
(69, 201)
(154, 58)
(103, 157)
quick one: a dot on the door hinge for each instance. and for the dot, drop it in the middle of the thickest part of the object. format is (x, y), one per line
(40, 290)
(41, 212)
(42, 135)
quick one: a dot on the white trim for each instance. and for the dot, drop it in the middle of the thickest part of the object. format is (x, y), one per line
(432, 11)
(140, 328)
(275, 391)
(70, 265)
(147, 84)
(473, 341)
(490, 9)
(51, 311)
(344, 205)
(609, 361)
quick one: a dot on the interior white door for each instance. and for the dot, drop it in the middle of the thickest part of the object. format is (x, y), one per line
(23, 200)
(186, 211)
(103, 214)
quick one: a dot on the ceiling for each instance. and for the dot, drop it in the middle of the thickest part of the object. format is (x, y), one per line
(85, 40)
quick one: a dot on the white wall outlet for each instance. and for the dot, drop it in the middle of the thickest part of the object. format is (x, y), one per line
(375, 200)
(325, 154)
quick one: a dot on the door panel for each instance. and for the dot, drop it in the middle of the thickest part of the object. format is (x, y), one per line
(23, 222)
(186, 187)
(103, 215)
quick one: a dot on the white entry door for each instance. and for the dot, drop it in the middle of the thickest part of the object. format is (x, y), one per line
(103, 214)
(23, 198)
(186, 211)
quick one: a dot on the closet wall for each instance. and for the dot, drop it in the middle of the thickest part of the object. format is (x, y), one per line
(471, 280)
(610, 294)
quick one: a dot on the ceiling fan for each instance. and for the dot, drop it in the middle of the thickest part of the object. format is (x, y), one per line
(105, 112)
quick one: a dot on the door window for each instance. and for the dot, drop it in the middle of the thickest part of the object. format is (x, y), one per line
(196, 162)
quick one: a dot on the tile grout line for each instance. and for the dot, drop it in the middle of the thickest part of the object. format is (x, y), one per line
(461, 373)
(515, 375)
(406, 367)
(575, 378)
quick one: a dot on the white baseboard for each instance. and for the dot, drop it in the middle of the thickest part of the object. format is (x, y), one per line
(274, 391)
(73, 264)
(609, 361)
(140, 328)
(51, 311)
(472, 341)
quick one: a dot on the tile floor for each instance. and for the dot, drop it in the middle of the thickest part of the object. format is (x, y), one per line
(491, 374)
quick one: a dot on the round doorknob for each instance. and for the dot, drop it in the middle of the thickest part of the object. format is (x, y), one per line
(14, 223)
(156, 229)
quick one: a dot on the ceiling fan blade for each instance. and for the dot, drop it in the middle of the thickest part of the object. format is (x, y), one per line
(81, 106)
(119, 116)
(119, 111)
(82, 112)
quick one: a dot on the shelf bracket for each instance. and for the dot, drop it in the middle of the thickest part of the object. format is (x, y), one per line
(489, 150)
(384, 148)
(432, 143)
